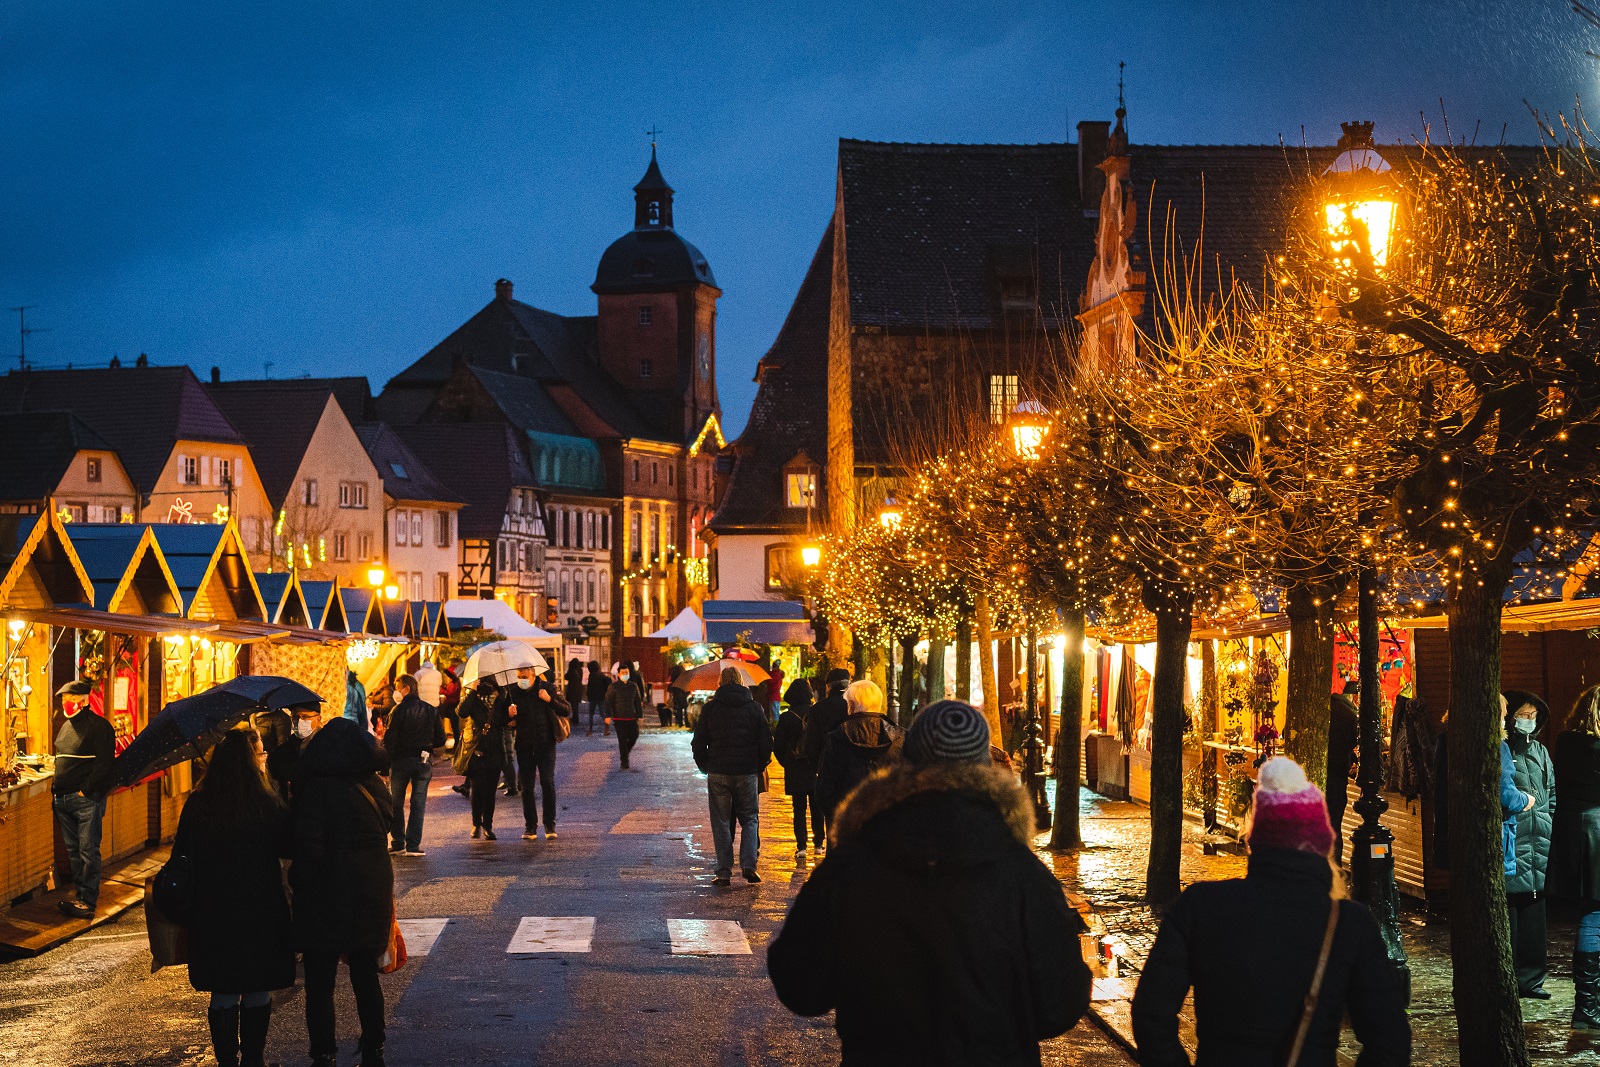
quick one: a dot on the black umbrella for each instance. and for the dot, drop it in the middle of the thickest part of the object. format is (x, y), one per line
(186, 728)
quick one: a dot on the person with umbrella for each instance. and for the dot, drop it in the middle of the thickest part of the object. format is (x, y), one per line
(234, 831)
(532, 703)
(480, 756)
(624, 705)
(284, 760)
(85, 749)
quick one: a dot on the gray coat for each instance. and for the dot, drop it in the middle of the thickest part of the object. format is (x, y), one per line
(1535, 772)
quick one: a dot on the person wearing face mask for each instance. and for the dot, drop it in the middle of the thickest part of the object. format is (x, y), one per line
(284, 759)
(413, 733)
(624, 705)
(1535, 774)
(533, 704)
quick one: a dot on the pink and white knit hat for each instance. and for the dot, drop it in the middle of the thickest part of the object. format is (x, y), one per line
(1288, 811)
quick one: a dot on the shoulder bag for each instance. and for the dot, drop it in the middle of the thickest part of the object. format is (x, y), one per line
(172, 889)
(1315, 991)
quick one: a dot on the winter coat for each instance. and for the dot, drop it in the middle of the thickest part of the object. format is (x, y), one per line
(274, 727)
(596, 688)
(482, 745)
(342, 879)
(355, 700)
(1248, 947)
(1344, 730)
(1575, 848)
(85, 747)
(861, 744)
(931, 930)
(798, 772)
(414, 728)
(826, 716)
(731, 736)
(239, 932)
(1512, 801)
(622, 700)
(536, 717)
(1534, 772)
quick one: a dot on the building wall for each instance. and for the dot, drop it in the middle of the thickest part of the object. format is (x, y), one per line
(518, 555)
(740, 572)
(421, 547)
(174, 495)
(577, 560)
(624, 340)
(334, 457)
(105, 500)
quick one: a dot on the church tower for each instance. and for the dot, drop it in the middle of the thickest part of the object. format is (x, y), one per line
(658, 309)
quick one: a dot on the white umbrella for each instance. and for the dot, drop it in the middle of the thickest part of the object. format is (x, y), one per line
(499, 660)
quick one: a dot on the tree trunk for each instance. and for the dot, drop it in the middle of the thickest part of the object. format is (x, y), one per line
(1066, 832)
(933, 685)
(908, 681)
(964, 660)
(1488, 1014)
(888, 676)
(1173, 607)
(991, 688)
(1305, 721)
(1210, 723)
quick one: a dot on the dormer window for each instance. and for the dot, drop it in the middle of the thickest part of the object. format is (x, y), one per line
(800, 482)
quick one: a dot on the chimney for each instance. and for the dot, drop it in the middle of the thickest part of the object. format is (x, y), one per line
(502, 289)
(216, 375)
(142, 361)
(1092, 140)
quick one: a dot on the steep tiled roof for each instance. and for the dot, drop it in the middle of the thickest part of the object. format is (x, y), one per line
(405, 477)
(525, 401)
(142, 411)
(483, 462)
(928, 225)
(279, 424)
(790, 410)
(36, 449)
(354, 394)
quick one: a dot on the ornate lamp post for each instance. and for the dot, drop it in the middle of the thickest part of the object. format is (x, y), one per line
(1359, 209)
(890, 514)
(1028, 426)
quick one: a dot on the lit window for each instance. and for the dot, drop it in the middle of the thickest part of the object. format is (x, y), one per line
(800, 489)
(190, 473)
(399, 471)
(1003, 395)
(92, 469)
(782, 563)
(224, 472)
(635, 536)
(647, 368)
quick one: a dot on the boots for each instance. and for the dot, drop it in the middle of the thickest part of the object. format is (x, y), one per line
(225, 1034)
(1586, 984)
(371, 1056)
(253, 1035)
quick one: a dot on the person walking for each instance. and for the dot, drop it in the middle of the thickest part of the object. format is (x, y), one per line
(826, 716)
(777, 677)
(343, 882)
(623, 708)
(865, 741)
(355, 699)
(1253, 994)
(430, 682)
(732, 745)
(1575, 848)
(480, 756)
(595, 693)
(1535, 774)
(283, 762)
(85, 748)
(978, 960)
(414, 731)
(533, 705)
(234, 831)
(574, 684)
(798, 772)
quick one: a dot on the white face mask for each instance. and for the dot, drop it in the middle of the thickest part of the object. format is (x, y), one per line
(1526, 726)
(304, 728)
(623, 677)
(524, 683)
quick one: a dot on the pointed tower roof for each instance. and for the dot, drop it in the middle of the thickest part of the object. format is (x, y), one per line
(652, 199)
(651, 258)
(652, 180)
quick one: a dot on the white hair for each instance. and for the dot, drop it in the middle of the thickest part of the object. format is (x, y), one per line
(864, 698)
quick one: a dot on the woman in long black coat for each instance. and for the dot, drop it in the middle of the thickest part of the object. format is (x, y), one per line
(485, 759)
(1575, 848)
(596, 688)
(234, 831)
(342, 880)
(798, 770)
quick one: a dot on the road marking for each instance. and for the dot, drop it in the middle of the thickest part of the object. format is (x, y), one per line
(547, 933)
(420, 934)
(707, 937)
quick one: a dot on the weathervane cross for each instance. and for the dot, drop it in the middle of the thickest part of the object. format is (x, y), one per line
(652, 132)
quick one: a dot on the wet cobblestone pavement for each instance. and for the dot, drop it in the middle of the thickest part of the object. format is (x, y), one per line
(1108, 876)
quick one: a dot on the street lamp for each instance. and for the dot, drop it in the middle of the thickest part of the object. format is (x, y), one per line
(810, 555)
(391, 591)
(375, 575)
(890, 514)
(1028, 425)
(1359, 209)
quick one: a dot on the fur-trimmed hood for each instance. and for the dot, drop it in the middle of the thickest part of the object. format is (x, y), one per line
(969, 784)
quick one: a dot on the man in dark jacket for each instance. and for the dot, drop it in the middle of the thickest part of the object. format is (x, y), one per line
(865, 741)
(533, 704)
(414, 731)
(1534, 774)
(85, 747)
(826, 716)
(732, 745)
(1344, 731)
(978, 959)
(624, 705)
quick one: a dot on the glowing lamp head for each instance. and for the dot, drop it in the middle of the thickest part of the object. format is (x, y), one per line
(890, 514)
(811, 555)
(1358, 201)
(1029, 425)
(391, 591)
(375, 575)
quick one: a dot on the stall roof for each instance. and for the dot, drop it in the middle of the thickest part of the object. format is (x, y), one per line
(767, 622)
(122, 559)
(441, 622)
(38, 565)
(286, 603)
(396, 616)
(361, 614)
(93, 619)
(498, 616)
(325, 605)
(211, 568)
(421, 619)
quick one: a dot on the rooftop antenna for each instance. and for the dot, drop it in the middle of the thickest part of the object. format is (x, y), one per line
(23, 330)
(266, 369)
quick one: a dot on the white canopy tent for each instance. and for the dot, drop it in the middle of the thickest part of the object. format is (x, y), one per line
(687, 626)
(499, 617)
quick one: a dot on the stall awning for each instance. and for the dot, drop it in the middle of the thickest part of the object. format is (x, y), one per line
(93, 619)
(242, 632)
(761, 622)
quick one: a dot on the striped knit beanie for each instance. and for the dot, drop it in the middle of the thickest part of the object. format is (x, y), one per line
(949, 731)
(1288, 811)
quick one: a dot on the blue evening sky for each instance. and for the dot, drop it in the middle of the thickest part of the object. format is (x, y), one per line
(333, 186)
